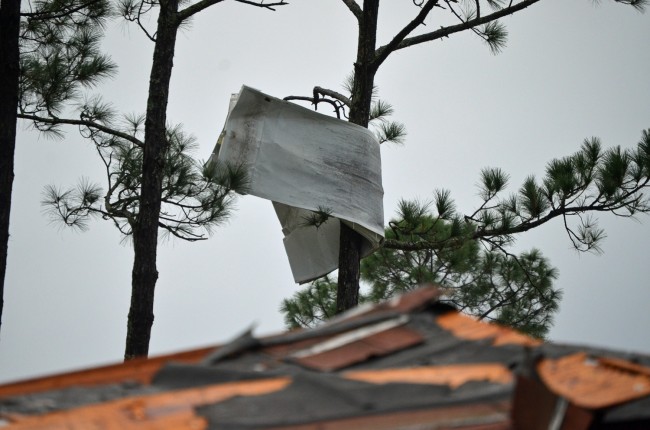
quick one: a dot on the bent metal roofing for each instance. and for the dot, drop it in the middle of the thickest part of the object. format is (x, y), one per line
(412, 362)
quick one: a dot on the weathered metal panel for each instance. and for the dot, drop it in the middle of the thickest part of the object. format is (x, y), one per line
(377, 344)
(304, 161)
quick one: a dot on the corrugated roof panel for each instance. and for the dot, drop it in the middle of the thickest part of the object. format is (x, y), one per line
(351, 336)
(452, 375)
(286, 349)
(335, 353)
(590, 384)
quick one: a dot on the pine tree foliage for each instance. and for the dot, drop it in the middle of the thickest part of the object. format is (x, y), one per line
(639, 5)
(152, 184)
(318, 217)
(195, 197)
(386, 130)
(312, 305)
(485, 282)
(513, 290)
(61, 54)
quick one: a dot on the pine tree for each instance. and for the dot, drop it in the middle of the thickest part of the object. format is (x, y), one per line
(483, 19)
(480, 280)
(155, 150)
(49, 52)
(469, 254)
(573, 187)
(195, 197)
(487, 283)
(516, 291)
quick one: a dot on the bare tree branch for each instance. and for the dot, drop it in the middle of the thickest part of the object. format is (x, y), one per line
(384, 52)
(337, 107)
(354, 8)
(204, 4)
(333, 94)
(138, 21)
(85, 123)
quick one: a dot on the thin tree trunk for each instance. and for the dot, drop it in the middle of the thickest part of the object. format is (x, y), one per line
(347, 293)
(364, 76)
(9, 75)
(145, 233)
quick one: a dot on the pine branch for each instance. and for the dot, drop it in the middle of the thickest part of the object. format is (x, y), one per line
(639, 5)
(562, 211)
(587, 182)
(185, 235)
(44, 16)
(500, 232)
(384, 51)
(204, 4)
(85, 123)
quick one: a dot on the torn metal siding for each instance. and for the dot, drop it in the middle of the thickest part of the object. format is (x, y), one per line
(306, 162)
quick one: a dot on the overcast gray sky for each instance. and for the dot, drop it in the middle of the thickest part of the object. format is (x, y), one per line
(571, 70)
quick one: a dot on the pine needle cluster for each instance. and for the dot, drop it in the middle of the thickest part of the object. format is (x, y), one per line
(61, 55)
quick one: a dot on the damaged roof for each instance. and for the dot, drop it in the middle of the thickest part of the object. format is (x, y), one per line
(412, 362)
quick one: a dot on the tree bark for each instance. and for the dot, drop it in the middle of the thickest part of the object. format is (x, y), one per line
(347, 293)
(145, 232)
(9, 75)
(364, 77)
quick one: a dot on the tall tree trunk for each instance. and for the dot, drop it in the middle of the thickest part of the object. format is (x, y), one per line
(145, 233)
(9, 75)
(364, 77)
